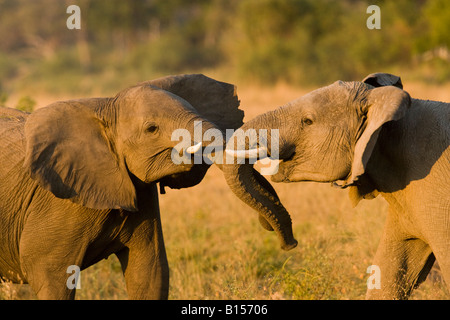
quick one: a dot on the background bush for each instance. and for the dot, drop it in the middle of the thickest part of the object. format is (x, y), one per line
(301, 42)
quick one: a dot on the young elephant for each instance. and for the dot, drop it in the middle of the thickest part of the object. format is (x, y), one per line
(372, 138)
(78, 181)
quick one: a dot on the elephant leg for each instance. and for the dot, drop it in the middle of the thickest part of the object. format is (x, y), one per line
(50, 285)
(144, 263)
(439, 237)
(444, 264)
(403, 263)
(50, 265)
(146, 273)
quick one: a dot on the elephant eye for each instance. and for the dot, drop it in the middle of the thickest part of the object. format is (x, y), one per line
(307, 121)
(151, 128)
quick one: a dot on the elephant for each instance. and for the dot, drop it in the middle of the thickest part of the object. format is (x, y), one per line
(78, 180)
(372, 138)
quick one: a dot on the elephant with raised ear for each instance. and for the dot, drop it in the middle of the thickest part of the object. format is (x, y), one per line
(78, 180)
(373, 138)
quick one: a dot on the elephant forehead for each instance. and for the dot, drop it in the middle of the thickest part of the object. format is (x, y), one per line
(328, 105)
(149, 101)
(317, 101)
(161, 102)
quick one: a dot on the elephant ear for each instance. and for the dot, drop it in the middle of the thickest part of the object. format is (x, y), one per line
(382, 105)
(69, 154)
(215, 101)
(380, 79)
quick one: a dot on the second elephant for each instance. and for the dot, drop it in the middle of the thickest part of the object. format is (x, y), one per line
(373, 138)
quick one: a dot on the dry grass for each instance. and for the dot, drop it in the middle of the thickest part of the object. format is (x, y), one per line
(217, 249)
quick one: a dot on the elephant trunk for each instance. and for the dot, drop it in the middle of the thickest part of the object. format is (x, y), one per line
(199, 131)
(266, 137)
(243, 181)
(195, 152)
(253, 189)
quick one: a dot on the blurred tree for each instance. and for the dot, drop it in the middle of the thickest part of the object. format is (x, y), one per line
(437, 15)
(281, 39)
(26, 104)
(297, 41)
(3, 99)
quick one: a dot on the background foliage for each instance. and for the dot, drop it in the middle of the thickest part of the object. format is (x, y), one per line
(301, 42)
(275, 51)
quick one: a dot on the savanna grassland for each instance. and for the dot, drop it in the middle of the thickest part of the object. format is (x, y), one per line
(217, 249)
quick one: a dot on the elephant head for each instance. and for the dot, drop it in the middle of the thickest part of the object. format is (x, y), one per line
(95, 151)
(327, 135)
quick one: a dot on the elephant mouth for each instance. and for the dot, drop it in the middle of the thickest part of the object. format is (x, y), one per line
(291, 170)
(283, 172)
(285, 165)
(185, 179)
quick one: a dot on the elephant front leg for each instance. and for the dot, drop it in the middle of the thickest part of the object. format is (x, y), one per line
(49, 286)
(402, 263)
(52, 277)
(50, 263)
(145, 267)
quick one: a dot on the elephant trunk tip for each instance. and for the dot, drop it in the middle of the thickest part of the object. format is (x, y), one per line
(289, 245)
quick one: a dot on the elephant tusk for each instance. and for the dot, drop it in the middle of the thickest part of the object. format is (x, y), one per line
(247, 154)
(193, 149)
(269, 166)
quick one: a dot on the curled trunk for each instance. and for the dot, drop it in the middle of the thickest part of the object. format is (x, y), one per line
(253, 189)
(246, 184)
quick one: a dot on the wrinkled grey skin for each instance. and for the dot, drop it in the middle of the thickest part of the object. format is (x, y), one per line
(372, 138)
(78, 181)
